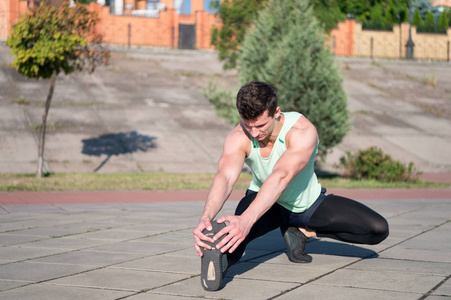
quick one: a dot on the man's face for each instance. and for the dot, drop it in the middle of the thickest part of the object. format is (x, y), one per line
(261, 127)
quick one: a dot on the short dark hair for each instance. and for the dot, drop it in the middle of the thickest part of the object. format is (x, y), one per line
(254, 98)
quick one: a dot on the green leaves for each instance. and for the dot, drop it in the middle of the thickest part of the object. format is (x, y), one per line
(62, 40)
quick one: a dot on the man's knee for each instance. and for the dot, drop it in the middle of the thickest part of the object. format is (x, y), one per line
(380, 231)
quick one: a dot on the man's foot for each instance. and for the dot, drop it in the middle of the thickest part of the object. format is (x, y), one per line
(295, 241)
(214, 264)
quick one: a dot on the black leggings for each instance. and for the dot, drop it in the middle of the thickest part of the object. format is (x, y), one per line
(336, 217)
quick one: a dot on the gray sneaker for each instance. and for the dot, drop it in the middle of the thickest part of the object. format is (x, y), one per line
(295, 241)
(214, 264)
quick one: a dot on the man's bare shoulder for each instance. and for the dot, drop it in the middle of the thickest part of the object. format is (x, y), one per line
(303, 124)
(303, 130)
(238, 139)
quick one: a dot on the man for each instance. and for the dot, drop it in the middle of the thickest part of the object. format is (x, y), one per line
(280, 149)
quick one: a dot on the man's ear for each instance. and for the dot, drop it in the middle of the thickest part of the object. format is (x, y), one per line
(277, 113)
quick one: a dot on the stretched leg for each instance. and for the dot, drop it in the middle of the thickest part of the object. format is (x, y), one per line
(348, 220)
(271, 220)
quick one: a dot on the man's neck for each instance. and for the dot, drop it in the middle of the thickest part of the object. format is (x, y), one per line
(275, 132)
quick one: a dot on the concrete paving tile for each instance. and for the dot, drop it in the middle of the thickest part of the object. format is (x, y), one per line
(44, 220)
(184, 237)
(54, 231)
(444, 289)
(400, 252)
(431, 217)
(165, 263)
(324, 263)
(15, 218)
(102, 208)
(436, 239)
(11, 239)
(31, 271)
(153, 296)
(121, 279)
(403, 266)
(13, 226)
(18, 253)
(381, 280)
(407, 231)
(113, 234)
(314, 291)
(108, 223)
(51, 292)
(90, 258)
(154, 228)
(66, 243)
(11, 284)
(138, 247)
(33, 209)
(294, 273)
(433, 297)
(187, 252)
(134, 207)
(233, 289)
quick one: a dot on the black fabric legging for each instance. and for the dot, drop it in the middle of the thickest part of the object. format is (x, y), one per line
(336, 217)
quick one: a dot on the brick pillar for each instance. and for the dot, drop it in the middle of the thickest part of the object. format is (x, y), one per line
(350, 50)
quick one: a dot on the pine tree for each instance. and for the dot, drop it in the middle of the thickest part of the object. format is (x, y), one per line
(429, 22)
(443, 22)
(405, 15)
(285, 47)
(417, 20)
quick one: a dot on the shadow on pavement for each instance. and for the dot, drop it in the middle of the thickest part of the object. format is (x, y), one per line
(117, 144)
(313, 247)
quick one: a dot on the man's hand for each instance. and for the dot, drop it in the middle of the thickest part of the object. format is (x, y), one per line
(237, 230)
(199, 236)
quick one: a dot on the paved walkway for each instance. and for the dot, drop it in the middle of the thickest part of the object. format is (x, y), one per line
(138, 245)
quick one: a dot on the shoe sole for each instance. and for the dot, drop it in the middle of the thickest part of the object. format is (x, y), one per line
(211, 262)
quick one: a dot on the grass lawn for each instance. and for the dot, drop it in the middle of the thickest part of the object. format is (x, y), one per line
(164, 181)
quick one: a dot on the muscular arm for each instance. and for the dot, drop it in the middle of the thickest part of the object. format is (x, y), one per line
(229, 169)
(301, 142)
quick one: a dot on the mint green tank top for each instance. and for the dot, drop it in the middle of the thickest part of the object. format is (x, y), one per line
(304, 189)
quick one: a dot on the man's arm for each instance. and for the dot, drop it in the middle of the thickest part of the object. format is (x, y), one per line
(301, 142)
(229, 169)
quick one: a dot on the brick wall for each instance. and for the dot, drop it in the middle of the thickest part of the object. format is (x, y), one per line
(350, 40)
(117, 29)
(10, 11)
(4, 19)
(159, 32)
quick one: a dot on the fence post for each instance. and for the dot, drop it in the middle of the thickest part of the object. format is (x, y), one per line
(447, 52)
(371, 47)
(129, 34)
(173, 36)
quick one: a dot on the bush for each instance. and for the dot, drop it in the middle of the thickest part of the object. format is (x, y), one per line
(372, 163)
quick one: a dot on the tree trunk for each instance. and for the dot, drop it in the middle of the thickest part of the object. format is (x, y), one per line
(44, 125)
